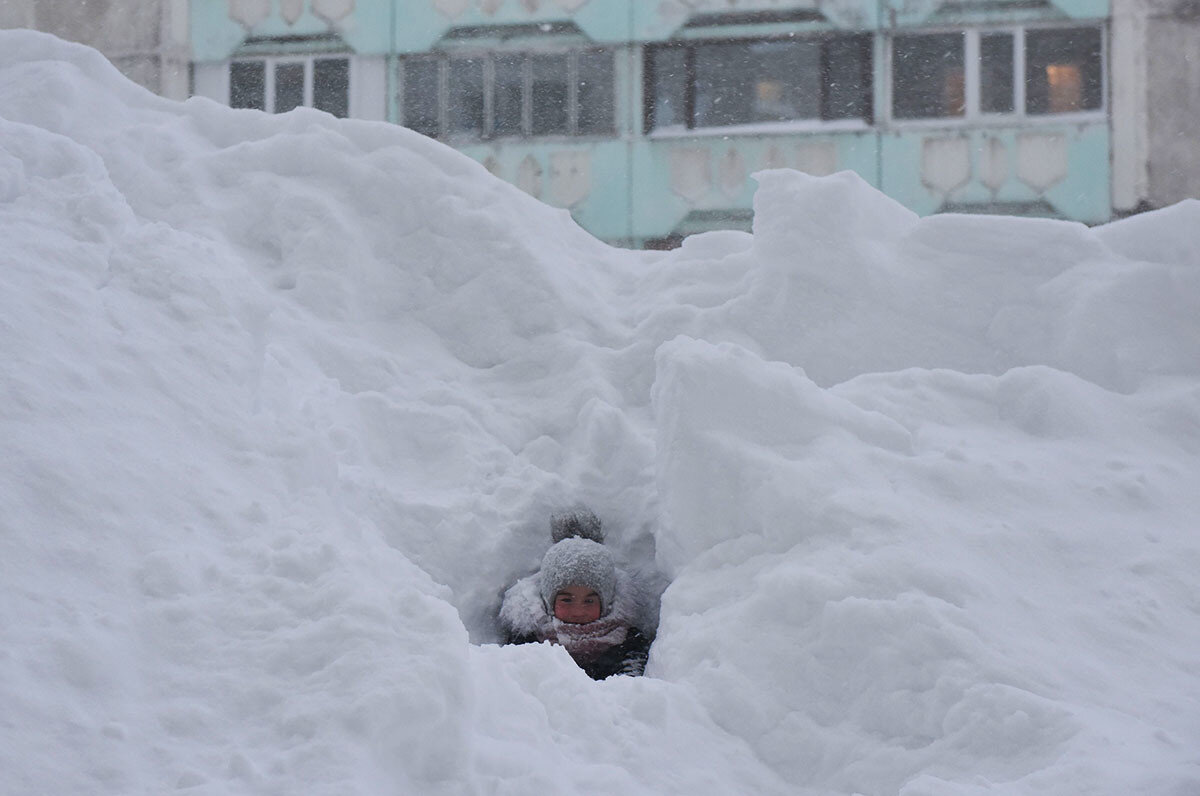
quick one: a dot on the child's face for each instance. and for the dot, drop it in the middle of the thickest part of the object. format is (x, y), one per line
(577, 605)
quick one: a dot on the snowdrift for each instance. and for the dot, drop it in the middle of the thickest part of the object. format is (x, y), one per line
(287, 402)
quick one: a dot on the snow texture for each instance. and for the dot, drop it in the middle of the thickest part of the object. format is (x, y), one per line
(287, 401)
(580, 521)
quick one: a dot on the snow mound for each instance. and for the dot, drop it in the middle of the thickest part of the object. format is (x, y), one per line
(289, 401)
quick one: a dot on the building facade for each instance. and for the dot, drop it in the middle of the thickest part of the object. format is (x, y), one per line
(146, 39)
(646, 118)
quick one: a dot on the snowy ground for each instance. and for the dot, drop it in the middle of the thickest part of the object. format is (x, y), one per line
(285, 403)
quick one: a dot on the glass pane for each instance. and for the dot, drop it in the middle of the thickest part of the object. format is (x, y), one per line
(248, 85)
(847, 78)
(996, 73)
(289, 87)
(595, 93)
(508, 90)
(331, 86)
(762, 81)
(550, 84)
(421, 96)
(927, 76)
(1062, 70)
(668, 94)
(464, 97)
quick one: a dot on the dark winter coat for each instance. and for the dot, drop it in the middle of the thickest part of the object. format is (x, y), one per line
(627, 658)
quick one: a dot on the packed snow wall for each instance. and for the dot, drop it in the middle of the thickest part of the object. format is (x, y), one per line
(288, 401)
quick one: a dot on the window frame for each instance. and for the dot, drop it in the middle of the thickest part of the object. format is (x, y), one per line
(973, 114)
(270, 62)
(688, 102)
(489, 56)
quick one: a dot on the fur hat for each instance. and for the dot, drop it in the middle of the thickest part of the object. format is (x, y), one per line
(579, 521)
(579, 562)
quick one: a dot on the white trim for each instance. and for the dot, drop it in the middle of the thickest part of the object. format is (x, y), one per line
(790, 127)
(270, 62)
(971, 78)
(1019, 116)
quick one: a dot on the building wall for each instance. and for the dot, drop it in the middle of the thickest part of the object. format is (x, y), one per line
(1173, 102)
(1128, 148)
(147, 39)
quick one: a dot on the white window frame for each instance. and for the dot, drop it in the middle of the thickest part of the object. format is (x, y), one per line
(443, 58)
(973, 115)
(789, 126)
(271, 61)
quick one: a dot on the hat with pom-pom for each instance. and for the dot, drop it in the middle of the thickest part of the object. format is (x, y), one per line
(579, 562)
(579, 521)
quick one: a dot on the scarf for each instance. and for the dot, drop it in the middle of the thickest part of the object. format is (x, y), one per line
(585, 642)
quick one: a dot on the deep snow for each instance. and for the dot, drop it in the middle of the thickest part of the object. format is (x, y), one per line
(287, 403)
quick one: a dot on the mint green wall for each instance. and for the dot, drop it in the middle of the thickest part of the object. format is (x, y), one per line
(643, 187)
(1082, 194)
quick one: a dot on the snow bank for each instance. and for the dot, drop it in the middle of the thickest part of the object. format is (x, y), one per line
(288, 402)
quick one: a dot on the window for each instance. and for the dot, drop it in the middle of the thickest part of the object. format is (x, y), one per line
(509, 94)
(977, 73)
(464, 109)
(594, 88)
(667, 87)
(248, 85)
(420, 107)
(1062, 70)
(719, 84)
(278, 85)
(508, 90)
(331, 86)
(549, 95)
(289, 87)
(996, 73)
(928, 76)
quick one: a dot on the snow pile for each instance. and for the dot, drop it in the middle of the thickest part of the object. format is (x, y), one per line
(288, 402)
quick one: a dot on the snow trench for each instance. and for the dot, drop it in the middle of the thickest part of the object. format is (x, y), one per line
(288, 402)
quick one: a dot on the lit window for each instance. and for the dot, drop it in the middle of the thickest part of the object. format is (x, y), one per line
(928, 77)
(1062, 73)
(1062, 70)
(767, 80)
(278, 85)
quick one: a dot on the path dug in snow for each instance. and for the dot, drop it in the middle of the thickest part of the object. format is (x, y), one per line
(288, 400)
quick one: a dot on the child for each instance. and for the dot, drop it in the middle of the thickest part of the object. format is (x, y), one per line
(576, 600)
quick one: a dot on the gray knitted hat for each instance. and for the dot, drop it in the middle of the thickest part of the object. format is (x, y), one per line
(579, 562)
(579, 521)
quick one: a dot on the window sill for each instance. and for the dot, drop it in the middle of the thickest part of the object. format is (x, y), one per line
(763, 128)
(523, 140)
(1000, 121)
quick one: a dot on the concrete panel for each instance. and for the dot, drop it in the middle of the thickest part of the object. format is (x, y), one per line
(111, 27)
(1128, 58)
(1173, 108)
(17, 14)
(368, 88)
(212, 81)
